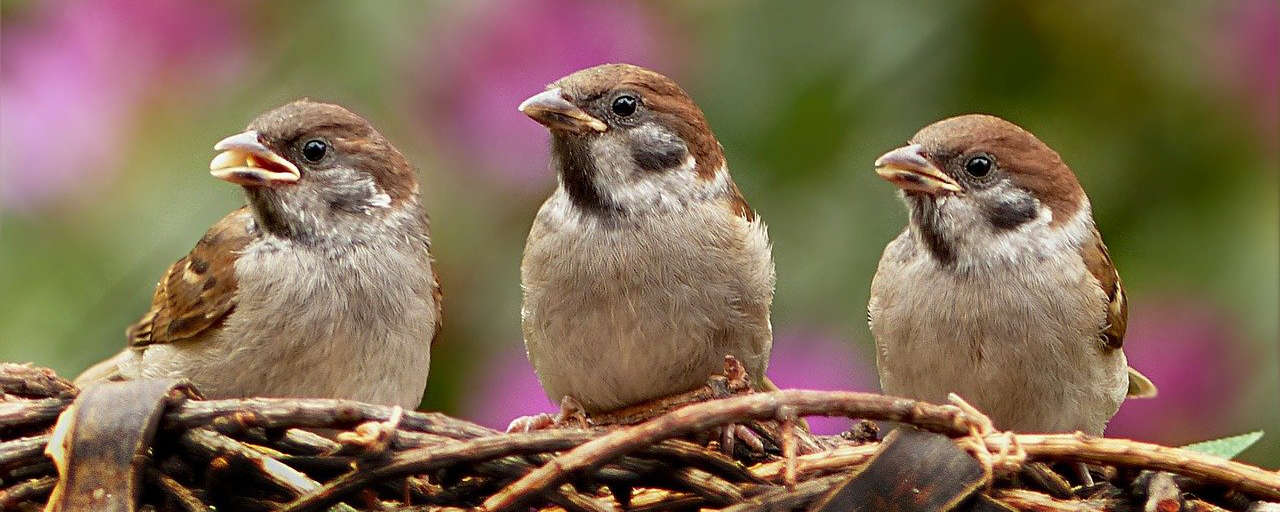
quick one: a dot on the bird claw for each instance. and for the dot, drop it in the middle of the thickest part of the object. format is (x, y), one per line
(571, 415)
(372, 437)
(541, 421)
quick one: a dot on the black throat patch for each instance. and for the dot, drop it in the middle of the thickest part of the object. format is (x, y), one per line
(924, 214)
(577, 169)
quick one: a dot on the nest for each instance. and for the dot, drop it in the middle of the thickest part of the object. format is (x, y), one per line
(157, 446)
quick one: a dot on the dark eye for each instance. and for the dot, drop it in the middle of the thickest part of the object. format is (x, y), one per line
(978, 166)
(314, 150)
(624, 105)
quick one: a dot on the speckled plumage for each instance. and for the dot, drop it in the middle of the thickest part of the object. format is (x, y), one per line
(1004, 292)
(645, 267)
(320, 288)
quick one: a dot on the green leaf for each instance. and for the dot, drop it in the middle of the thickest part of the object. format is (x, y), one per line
(1227, 447)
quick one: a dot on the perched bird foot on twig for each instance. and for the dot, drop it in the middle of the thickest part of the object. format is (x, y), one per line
(571, 415)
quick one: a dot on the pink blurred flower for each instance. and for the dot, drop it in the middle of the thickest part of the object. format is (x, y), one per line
(800, 360)
(507, 390)
(1192, 353)
(506, 52)
(807, 360)
(1251, 44)
(73, 74)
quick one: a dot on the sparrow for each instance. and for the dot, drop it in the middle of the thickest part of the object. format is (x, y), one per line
(322, 286)
(646, 267)
(1000, 288)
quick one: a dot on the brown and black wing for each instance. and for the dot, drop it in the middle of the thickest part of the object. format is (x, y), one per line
(1098, 261)
(199, 290)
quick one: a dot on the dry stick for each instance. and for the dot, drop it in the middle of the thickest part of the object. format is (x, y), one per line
(19, 452)
(573, 501)
(781, 498)
(33, 382)
(713, 488)
(430, 458)
(511, 468)
(1023, 499)
(842, 458)
(691, 454)
(313, 413)
(703, 416)
(175, 491)
(1123, 452)
(34, 490)
(211, 444)
(29, 413)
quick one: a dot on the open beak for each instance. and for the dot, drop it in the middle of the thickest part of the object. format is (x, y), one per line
(907, 168)
(550, 109)
(245, 161)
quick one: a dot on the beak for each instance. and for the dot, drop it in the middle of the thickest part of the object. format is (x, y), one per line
(907, 168)
(245, 161)
(550, 109)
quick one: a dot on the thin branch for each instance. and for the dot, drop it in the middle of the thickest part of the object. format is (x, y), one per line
(422, 460)
(1124, 452)
(210, 444)
(704, 416)
(22, 451)
(1022, 499)
(176, 492)
(34, 490)
(312, 413)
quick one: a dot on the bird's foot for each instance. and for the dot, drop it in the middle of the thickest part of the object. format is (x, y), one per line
(571, 415)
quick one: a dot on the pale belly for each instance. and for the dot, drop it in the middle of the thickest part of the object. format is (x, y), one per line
(1018, 350)
(629, 317)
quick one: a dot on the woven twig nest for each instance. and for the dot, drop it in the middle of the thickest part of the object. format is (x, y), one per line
(154, 446)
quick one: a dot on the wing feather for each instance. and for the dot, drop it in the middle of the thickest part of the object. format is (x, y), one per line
(199, 290)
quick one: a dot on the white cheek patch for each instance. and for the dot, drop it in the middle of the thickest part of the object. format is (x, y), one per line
(978, 243)
(634, 189)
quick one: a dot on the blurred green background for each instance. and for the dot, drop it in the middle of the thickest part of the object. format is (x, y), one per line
(1169, 116)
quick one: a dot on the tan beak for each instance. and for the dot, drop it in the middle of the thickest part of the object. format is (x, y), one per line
(907, 168)
(552, 110)
(245, 161)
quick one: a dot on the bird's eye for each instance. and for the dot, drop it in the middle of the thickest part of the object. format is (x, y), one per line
(624, 105)
(314, 150)
(978, 166)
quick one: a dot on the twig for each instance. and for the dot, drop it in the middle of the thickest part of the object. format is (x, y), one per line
(29, 381)
(780, 498)
(686, 453)
(31, 490)
(210, 444)
(1022, 499)
(713, 488)
(176, 492)
(426, 459)
(313, 413)
(22, 451)
(27, 414)
(703, 416)
(842, 458)
(1124, 452)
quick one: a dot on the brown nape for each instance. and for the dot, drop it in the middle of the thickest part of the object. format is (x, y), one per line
(659, 94)
(350, 134)
(1031, 164)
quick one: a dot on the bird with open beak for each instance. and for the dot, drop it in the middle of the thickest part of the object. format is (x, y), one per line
(322, 286)
(645, 267)
(1000, 288)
